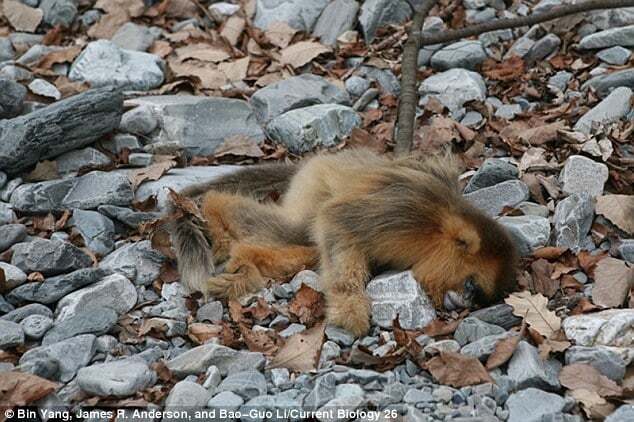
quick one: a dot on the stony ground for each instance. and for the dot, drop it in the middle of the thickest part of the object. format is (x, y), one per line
(92, 313)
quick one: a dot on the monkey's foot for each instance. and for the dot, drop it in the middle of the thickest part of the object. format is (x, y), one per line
(351, 312)
(231, 286)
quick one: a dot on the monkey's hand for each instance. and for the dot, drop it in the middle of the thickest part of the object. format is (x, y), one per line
(454, 301)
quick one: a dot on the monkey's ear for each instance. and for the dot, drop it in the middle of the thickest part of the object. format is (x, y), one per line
(468, 242)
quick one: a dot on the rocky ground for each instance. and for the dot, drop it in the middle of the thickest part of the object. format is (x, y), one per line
(92, 313)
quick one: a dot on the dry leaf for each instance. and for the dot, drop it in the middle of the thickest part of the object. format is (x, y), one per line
(548, 346)
(504, 349)
(619, 209)
(208, 75)
(66, 55)
(280, 34)
(233, 28)
(44, 170)
(613, 280)
(22, 17)
(201, 333)
(541, 271)
(507, 70)
(298, 54)
(534, 309)
(579, 376)
(307, 305)
(239, 146)
(203, 52)
(235, 70)
(439, 327)
(457, 370)
(593, 405)
(19, 388)
(301, 351)
(263, 341)
(152, 172)
(542, 133)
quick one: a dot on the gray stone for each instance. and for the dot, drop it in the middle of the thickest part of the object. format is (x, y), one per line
(198, 359)
(187, 394)
(483, 347)
(441, 346)
(128, 216)
(573, 219)
(626, 250)
(212, 378)
(384, 77)
(13, 276)
(225, 400)
(297, 14)
(329, 351)
(529, 232)
(531, 404)
(611, 109)
(134, 37)
(337, 18)
(139, 120)
(59, 12)
(292, 329)
(96, 230)
(6, 214)
(6, 50)
(70, 355)
(12, 96)
(471, 329)
(462, 54)
(247, 384)
(295, 92)
(624, 413)
(615, 55)
(121, 378)
(322, 125)
(19, 314)
(140, 159)
(137, 261)
(350, 403)
(531, 208)
(612, 327)
(103, 63)
(501, 315)
(95, 321)
(48, 257)
(115, 292)
(492, 200)
(604, 360)
(399, 293)
(119, 142)
(508, 111)
(5, 307)
(414, 396)
(72, 161)
(472, 119)
(623, 36)
(378, 13)
(211, 312)
(492, 172)
(84, 192)
(11, 335)
(357, 85)
(604, 84)
(543, 48)
(54, 288)
(35, 326)
(559, 81)
(480, 16)
(454, 87)
(44, 89)
(527, 369)
(15, 73)
(339, 335)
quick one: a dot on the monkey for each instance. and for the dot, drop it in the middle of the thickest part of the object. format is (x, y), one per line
(349, 214)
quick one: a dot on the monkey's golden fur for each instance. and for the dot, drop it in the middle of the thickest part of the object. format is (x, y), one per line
(351, 213)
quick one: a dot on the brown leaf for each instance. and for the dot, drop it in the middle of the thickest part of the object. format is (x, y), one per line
(233, 28)
(593, 405)
(507, 70)
(264, 341)
(549, 252)
(361, 138)
(549, 346)
(504, 349)
(66, 55)
(208, 75)
(301, 351)
(20, 388)
(237, 312)
(152, 172)
(280, 34)
(44, 170)
(541, 271)
(261, 310)
(619, 209)
(439, 327)
(307, 305)
(583, 306)
(239, 146)
(35, 276)
(542, 134)
(298, 54)
(44, 223)
(588, 262)
(201, 333)
(22, 17)
(583, 376)
(457, 370)
(203, 52)
(534, 309)
(235, 70)
(613, 280)
(406, 340)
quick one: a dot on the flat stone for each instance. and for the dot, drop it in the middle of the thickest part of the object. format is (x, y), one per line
(531, 404)
(295, 92)
(543, 48)
(531, 208)
(615, 55)
(122, 141)
(45, 89)
(49, 257)
(11, 335)
(339, 335)
(22, 312)
(323, 125)
(138, 261)
(247, 384)
(501, 315)
(7, 52)
(483, 347)
(6, 213)
(12, 96)
(529, 232)
(379, 13)
(35, 326)
(127, 216)
(471, 329)
(225, 400)
(624, 413)
(211, 312)
(559, 81)
(508, 111)
(187, 394)
(5, 307)
(95, 321)
(10, 234)
(611, 109)
(612, 327)
(70, 355)
(466, 54)
(384, 77)
(527, 369)
(322, 392)
(492, 200)
(604, 360)
(96, 230)
(84, 192)
(454, 87)
(297, 14)
(604, 84)
(623, 36)
(13, 276)
(59, 12)
(492, 172)
(399, 293)
(115, 292)
(441, 346)
(337, 18)
(472, 119)
(572, 220)
(414, 396)
(72, 161)
(140, 120)
(120, 378)
(198, 359)
(626, 250)
(135, 37)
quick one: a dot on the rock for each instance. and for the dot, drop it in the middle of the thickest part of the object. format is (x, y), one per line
(280, 377)
(128, 216)
(72, 161)
(53, 288)
(5, 307)
(350, 403)
(121, 141)
(70, 355)
(199, 124)
(13, 276)
(462, 54)
(10, 234)
(626, 250)
(357, 85)
(432, 25)
(611, 109)
(615, 55)
(454, 87)
(212, 378)
(45, 89)
(531, 404)
(529, 232)
(49, 257)
(492, 172)
(120, 378)
(559, 81)
(103, 63)
(531, 208)
(471, 329)
(612, 327)
(623, 414)
(501, 315)
(19, 314)
(322, 125)
(399, 293)
(297, 14)
(337, 18)
(339, 335)
(441, 346)
(59, 12)
(623, 36)
(384, 77)
(292, 329)
(7, 52)
(211, 312)
(414, 396)
(604, 360)
(379, 13)
(6, 214)
(35, 326)
(247, 384)
(140, 120)
(198, 359)
(12, 96)
(11, 335)
(140, 159)
(322, 392)
(295, 92)
(508, 111)
(276, 404)
(137, 261)
(96, 230)
(115, 292)
(472, 119)
(527, 369)
(604, 84)
(224, 8)
(573, 219)
(225, 400)
(483, 347)
(95, 321)
(543, 48)
(134, 37)
(187, 394)
(84, 192)
(493, 199)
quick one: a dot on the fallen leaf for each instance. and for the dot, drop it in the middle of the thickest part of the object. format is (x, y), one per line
(20, 388)
(201, 333)
(593, 405)
(406, 340)
(541, 271)
(507, 70)
(579, 376)
(22, 17)
(43, 223)
(261, 310)
(619, 209)
(450, 368)
(307, 305)
(44, 170)
(549, 346)
(583, 306)
(267, 342)
(235, 70)
(549, 252)
(239, 146)
(152, 172)
(298, 54)
(280, 34)
(504, 349)
(233, 28)
(542, 133)
(301, 351)
(208, 75)
(588, 261)
(534, 309)
(202, 52)
(613, 280)
(439, 327)
(66, 55)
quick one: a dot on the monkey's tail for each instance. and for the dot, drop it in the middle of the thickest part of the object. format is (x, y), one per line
(190, 238)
